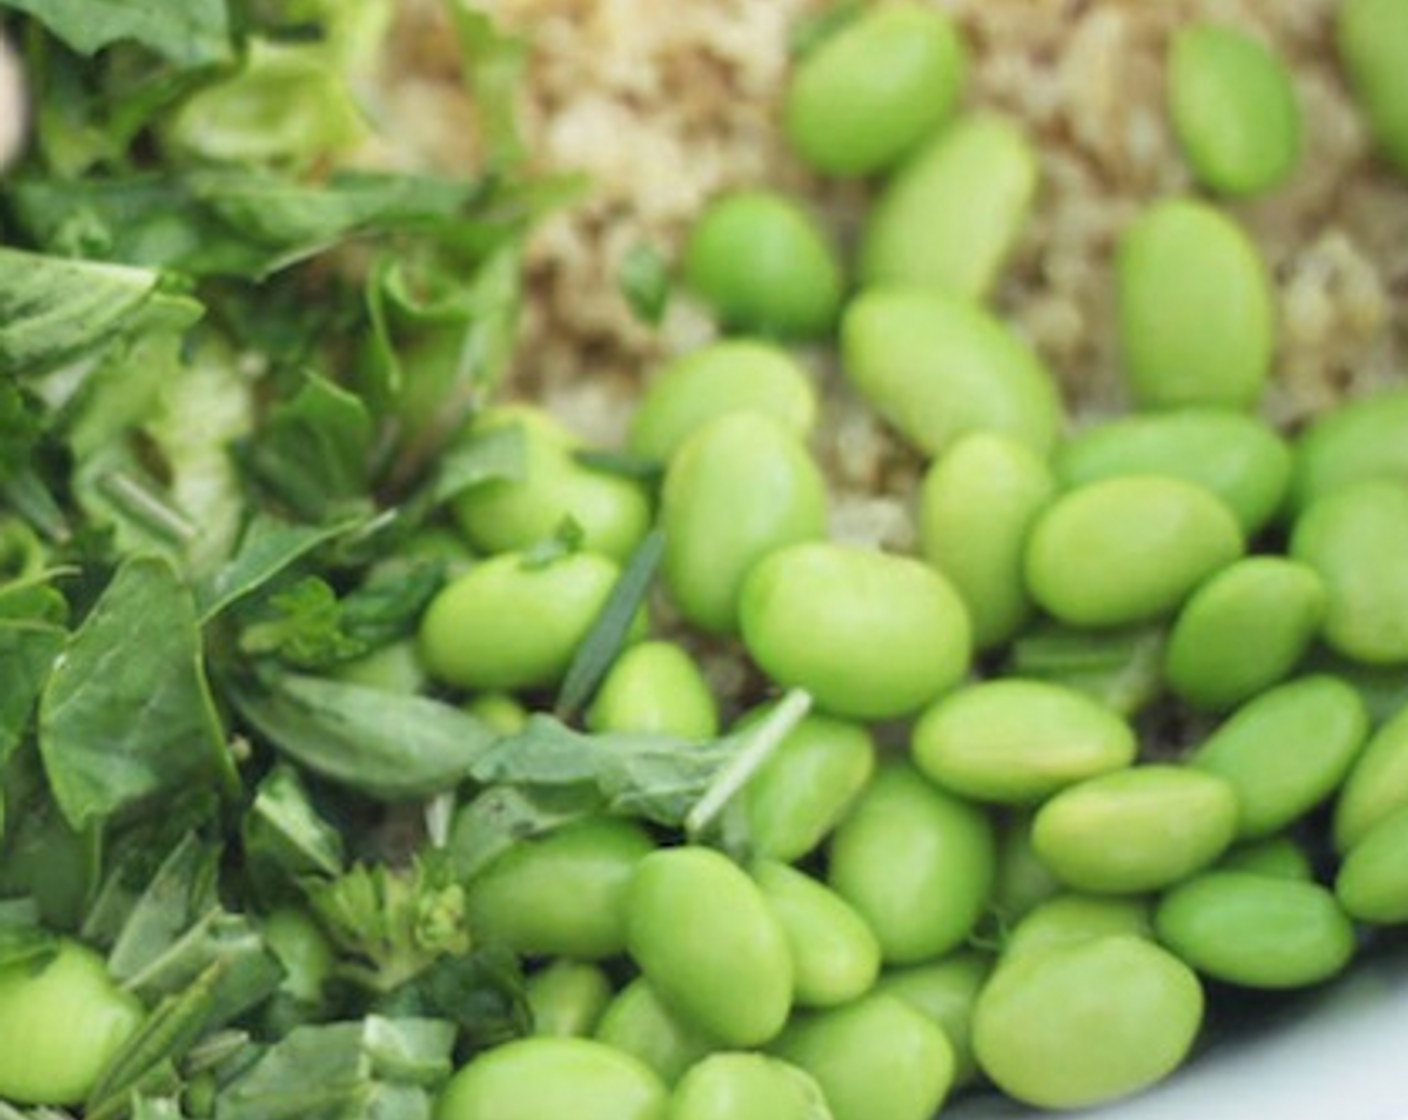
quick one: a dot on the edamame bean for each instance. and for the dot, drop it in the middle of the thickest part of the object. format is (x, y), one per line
(511, 514)
(946, 992)
(1372, 884)
(950, 217)
(1243, 630)
(835, 956)
(1360, 439)
(637, 1022)
(732, 375)
(1354, 537)
(1254, 930)
(869, 634)
(62, 1018)
(936, 367)
(1286, 751)
(1377, 784)
(1023, 881)
(916, 862)
(740, 488)
(563, 894)
(1068, 918)
(706, 940)
(764, 266)
(1236, 456)
(513, 623)
(1136, 830)
(867, 95)
(542, 1078)
(566, 998)
(501, 711)
(976, 506)
(1127, 549)
(747, 1087)
(1017, 742)
(1277, 856)
(1234, 110)
(655, 687)
(1372, 38)
(1086, 1022)
(875, 1059)
(1194, 309)
(394, 667)
(808, 784)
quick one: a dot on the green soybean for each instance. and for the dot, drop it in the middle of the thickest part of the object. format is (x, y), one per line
(1372, 39)
(1254, 930)
(936, 367)
(916, 862)
(732, 375)
(1242, 631)
(1017, 742)
(566, 998)
(747, 1087)
(706, 940)
(61, 1019)
(1360, 439)
(807, 785)
(945, 991)
(637, 1022)
(394, 667)
(1070, 917)
(977, 504)
(1286, 751)
(1377, 784)
(1129, 549)
(1372, 883)
(893, 634)
(1136, 830)
(1086, 1022)
(1234, 110)
(740, 488)
(1238, 457)
(501, 711)
(950, 217)
(835, 956)
(875, 1059)
(534, 1078)
(1353, 537)
(866, 96)
(563, 894)
(764, 265)
(1278, 856)
(514, 623)
(1193, 308)
(1023, 881)
(655, 687)
(511, 514)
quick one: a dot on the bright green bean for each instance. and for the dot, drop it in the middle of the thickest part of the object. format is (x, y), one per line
(1234, 110)
(1286, 751)
(638, 1022)
(946, 991)
(949, 219)
(866, 96)
(1254, 930)
(1359, 439)
(1372, 39)
(1372, 884)
(1194, 309)
(655, 687)
(747, 1087)
(1070, 917)
(1377, 784)
(937, 367)
(566, 998)
(740, 488)
(976, 505)
(1127, 549)
(1017, 742)
(869, 634)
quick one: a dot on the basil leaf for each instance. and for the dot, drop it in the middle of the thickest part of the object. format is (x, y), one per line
(126, 715)
(387, 746)
(269, 547)
(190, 33)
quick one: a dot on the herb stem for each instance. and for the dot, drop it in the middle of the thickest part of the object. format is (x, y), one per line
(758, 746)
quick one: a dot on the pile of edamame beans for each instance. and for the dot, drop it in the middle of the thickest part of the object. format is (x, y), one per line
(1118, 730)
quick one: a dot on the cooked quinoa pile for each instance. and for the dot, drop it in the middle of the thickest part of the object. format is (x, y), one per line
(664, 106)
